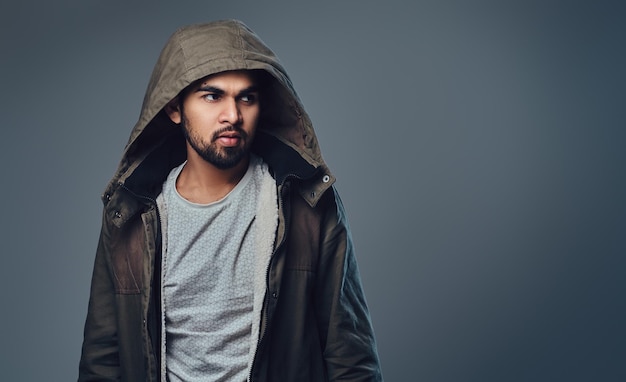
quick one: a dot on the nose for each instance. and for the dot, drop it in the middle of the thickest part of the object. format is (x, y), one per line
(230, 113)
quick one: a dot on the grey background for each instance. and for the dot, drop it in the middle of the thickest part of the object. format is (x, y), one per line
(478, 146)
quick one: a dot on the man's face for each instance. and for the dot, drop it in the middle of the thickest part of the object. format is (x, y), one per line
(219, 117)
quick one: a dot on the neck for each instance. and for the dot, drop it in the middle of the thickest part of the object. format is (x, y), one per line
(201, 182)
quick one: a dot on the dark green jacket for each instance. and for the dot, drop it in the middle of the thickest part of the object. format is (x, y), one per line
(314, 323)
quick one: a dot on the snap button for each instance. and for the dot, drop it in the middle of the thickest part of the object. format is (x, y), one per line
(326, 179)
(118, 214)
(274, 295)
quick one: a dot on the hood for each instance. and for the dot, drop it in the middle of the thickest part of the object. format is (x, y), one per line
(194, 52)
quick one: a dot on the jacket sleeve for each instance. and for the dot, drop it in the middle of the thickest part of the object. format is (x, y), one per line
(343, 317)
(99, 359)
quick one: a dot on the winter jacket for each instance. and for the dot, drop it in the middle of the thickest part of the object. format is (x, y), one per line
(313, 323)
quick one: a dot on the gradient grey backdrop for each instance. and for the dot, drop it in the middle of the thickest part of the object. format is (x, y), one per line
(479, 149)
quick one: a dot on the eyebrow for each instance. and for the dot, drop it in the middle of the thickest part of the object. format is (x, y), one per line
(213, 89)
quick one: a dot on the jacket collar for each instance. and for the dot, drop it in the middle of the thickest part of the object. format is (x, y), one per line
(143, 182)
(288, 162)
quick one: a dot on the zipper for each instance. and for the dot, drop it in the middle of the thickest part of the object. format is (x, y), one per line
(151, 200)
(157, 233)
(285, 190)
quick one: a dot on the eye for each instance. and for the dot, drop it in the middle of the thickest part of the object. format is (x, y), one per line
(248, 98)
(211, 97)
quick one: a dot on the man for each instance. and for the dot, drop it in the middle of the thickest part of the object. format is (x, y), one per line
(225, 253)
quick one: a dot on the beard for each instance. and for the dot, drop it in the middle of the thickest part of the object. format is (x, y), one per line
(221, 157)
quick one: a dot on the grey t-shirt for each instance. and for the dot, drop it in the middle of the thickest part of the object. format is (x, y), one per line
(208, 271)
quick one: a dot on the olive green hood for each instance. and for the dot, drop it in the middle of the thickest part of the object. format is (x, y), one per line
(196, 51)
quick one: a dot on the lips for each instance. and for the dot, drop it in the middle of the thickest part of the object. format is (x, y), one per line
(229, 139)
(230, 134)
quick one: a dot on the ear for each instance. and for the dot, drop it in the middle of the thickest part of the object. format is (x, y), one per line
(173, 111)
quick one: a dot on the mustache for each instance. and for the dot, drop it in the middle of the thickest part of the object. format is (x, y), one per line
(229, 129)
